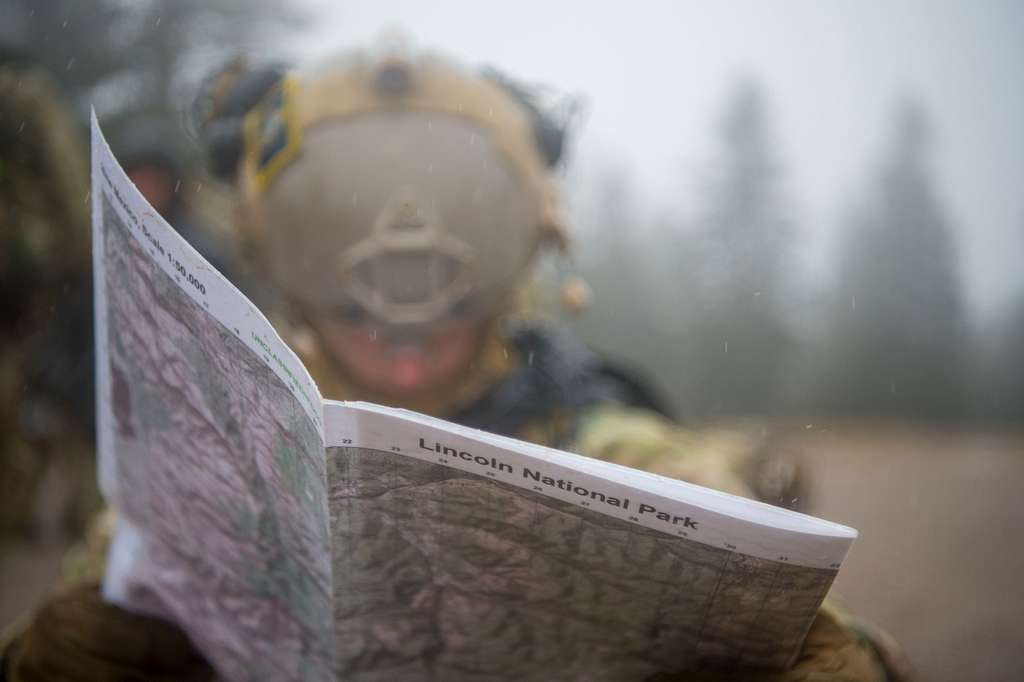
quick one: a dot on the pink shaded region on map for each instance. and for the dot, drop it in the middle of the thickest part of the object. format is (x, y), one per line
(221, 473)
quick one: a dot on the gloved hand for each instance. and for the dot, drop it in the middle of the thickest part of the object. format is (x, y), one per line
(832, 652)
(78, 636)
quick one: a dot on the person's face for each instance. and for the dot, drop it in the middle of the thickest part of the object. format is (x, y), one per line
(402, 368)
(155, 185)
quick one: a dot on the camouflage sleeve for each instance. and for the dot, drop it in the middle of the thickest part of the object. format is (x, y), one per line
(78, 636)
(739, 459)
(832, 653)
(44, 168)
(47, 466)
(45, 370)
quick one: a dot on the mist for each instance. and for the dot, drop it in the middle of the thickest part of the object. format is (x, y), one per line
(800, 220)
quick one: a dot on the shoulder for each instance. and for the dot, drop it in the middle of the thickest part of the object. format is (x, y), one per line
(567, 396)
(744, 458)
(643, 439)
(555, 376)
(586, 377)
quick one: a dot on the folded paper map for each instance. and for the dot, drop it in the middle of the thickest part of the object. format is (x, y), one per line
(296, 538)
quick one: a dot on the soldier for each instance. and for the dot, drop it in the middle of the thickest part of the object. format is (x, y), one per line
(46, 401)
(153, 163)
(397, 203)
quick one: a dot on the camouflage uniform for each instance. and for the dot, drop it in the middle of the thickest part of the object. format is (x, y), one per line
(540, 385)
(146, 145)
(46, 401)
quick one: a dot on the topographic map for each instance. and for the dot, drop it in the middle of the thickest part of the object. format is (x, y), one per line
(220, 473)
(441, 574)
(231, 521)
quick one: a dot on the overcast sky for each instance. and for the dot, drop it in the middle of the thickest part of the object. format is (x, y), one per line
(656, 75)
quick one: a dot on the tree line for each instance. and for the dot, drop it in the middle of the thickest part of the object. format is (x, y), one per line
(712, 309)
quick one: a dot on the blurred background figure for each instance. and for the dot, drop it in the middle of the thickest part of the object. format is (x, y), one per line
(47, 478)
(156, 166)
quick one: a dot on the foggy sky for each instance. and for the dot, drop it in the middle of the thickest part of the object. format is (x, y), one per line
(656, 76)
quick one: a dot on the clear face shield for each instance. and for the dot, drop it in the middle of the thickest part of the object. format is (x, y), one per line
(424, 224)
(408, 272)
(405, 307)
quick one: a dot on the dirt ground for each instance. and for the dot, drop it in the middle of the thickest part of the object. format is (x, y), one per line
(940, 558)
(939, 562)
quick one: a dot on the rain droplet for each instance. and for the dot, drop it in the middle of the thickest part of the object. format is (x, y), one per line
(373, 334)
(355, 198)
(199, 187)
(177, 186)
(853, 303)
(809, 426)
(71, 63)
(726, 346)
(21, 127)
(529, 359)
(158, 20)
(504, 351)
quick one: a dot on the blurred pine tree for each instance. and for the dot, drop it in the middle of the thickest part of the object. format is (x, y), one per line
(742, 340)
(899, 329)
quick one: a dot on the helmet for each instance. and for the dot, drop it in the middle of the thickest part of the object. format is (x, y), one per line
(398, 191)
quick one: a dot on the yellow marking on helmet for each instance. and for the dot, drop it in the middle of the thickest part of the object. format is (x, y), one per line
(273, 133)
